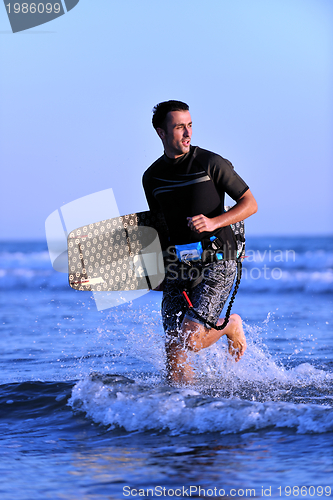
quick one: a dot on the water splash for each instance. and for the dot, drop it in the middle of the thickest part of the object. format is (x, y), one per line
(121, 403)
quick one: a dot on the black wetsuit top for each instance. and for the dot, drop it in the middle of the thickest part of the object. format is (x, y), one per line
(193, 184)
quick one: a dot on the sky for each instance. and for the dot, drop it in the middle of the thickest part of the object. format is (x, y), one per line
(77, 95)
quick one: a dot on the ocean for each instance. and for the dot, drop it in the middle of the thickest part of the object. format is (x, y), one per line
(86, 412)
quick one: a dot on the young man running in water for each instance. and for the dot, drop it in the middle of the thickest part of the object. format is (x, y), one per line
(188, 185)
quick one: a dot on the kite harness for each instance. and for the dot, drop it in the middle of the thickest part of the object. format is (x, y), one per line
(205, 252)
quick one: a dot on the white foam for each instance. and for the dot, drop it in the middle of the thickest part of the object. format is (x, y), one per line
(139, 407)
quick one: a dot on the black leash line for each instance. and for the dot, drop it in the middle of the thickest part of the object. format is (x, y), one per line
(227, 316)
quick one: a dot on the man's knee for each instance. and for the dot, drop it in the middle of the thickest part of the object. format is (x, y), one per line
(192, 335)
(236, 319)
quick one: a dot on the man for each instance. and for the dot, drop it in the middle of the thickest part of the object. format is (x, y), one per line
(188, 184)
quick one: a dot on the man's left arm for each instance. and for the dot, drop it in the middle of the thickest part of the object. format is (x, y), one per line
(245, 206)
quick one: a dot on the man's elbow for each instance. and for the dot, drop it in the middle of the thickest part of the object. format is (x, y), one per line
(254, 207)
(250, 202)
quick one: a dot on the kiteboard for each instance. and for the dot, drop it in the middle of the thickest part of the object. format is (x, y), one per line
(119, 254)
(123, 253)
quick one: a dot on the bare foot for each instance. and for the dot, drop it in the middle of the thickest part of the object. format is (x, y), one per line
(236, 338)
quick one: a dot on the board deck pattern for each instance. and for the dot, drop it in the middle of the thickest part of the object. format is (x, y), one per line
(239, 232)
(107, 255)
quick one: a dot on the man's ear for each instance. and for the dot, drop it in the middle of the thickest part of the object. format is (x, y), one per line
(161, 133)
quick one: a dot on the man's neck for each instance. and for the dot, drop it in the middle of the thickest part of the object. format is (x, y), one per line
(174, 157)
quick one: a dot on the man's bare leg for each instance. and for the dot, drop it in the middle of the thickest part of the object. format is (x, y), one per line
(179, 369)
(199, 337)
(194, 337)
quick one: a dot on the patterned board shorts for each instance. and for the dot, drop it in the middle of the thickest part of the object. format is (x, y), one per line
(208, 297)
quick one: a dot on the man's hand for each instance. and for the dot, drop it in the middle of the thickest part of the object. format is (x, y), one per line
(245, 206)
(200, 224)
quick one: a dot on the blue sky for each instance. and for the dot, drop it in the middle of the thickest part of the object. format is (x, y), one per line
(77, 95)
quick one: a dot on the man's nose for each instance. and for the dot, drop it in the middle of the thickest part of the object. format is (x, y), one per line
(187, 131)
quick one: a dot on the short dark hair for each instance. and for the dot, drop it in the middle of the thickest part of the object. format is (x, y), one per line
(161, 110)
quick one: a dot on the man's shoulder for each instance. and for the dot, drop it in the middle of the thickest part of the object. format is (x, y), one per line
(153, 167)
(210, 158)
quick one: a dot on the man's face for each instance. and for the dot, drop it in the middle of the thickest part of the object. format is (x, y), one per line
(177, 137)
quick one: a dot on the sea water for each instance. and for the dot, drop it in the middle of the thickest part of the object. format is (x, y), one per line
(86, 413)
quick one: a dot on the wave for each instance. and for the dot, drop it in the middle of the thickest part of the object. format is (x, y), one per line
(22, 260)
(33, 399)
(285, 259)
(276, 279)
(122, 403)
(241, 400)
(300, 272)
